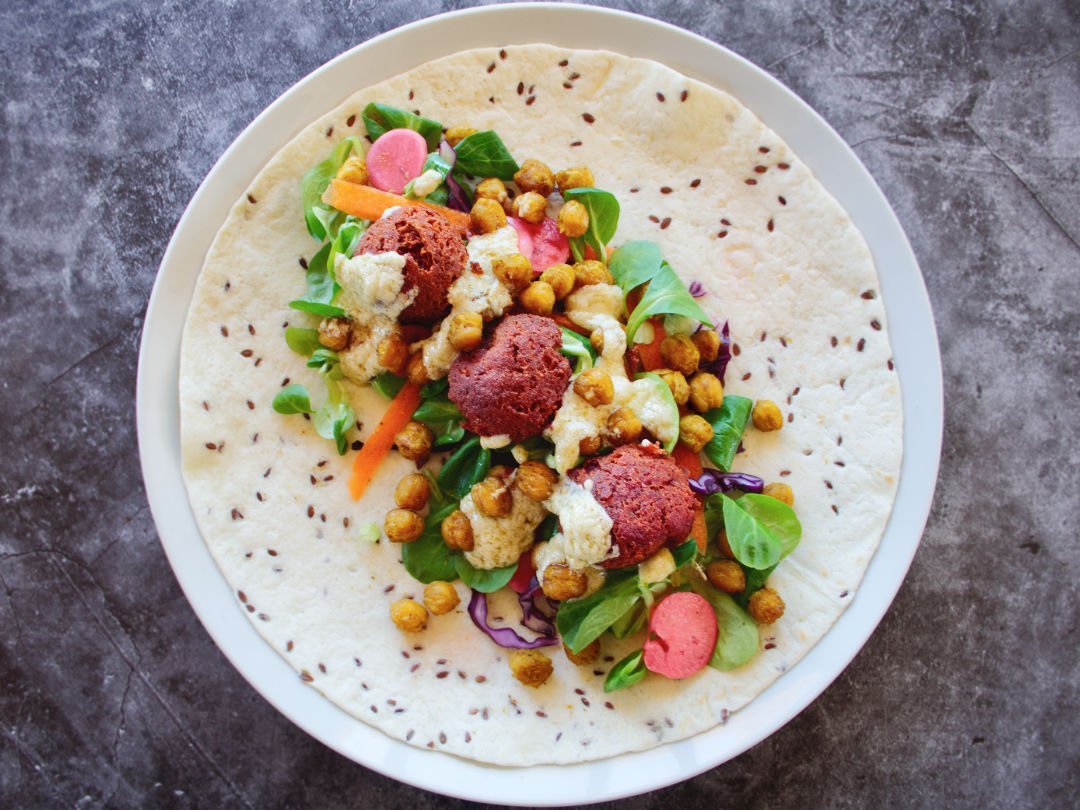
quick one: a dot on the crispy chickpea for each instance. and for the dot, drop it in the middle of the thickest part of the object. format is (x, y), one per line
(595, 387)
(680, 353)
(723, 544)
(535, 176)
(466, 331)
(586, 656)
(440, 597)
(563, 582)
(765, 606)
(536, 480)
(403, 525)
(561, 278)
(513, 270)
(623, 427)
(575, 177)
(408, 615)
(589, 446)
(766, 416)
(415, 369)
(456, 135)
(530, 207)
(457, 531)
(353, 170)
(538, 298)
(726, 575)
(695, 432)
(487, 215)
(393, 353)
(493, 497)
(708, 344)
(596, 339)
(589, 272)
(706, 392)
(676, 381)
(782, 492)
(335, 333)
(492, 188)
(573, 219)
(531, 667)
(412, 492)
(500, 471)
(414, 441)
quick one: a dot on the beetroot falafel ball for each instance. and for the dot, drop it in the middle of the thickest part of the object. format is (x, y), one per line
(434, 252)
(646, 494)
(514, 381)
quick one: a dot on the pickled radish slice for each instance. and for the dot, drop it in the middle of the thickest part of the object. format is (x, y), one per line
(395, 158)
(682, 635)
(542, 244)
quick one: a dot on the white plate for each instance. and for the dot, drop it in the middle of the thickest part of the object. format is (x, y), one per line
(914, 341)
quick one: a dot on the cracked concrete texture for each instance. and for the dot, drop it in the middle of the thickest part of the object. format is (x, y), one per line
(968, 115)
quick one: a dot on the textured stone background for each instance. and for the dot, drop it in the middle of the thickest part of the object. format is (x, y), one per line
(968, 115)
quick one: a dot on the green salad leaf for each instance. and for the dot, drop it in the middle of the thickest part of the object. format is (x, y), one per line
(603, 210)
(755, 581)
(380, 118)
(302, 341)
(685, 553)
(466, 466)
(428, 558)
(635, 263)
(582, 621)
(485, 581)
(728, 422)
(630, 622)
(388, 385)
(321, 287)
(666, 294)
(320, 217)
(579, 348)
(326, 361)
(440, 194)
(293, 399)
(439, 409)
(760, 530)
(737, 640)
(627, 672)
(663, 392)
(483, 154)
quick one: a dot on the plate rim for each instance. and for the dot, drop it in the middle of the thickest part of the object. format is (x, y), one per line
(630, 773)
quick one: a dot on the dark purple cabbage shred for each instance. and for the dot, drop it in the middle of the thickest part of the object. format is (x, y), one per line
(712, 481)
(537, 613)
(503, 636)
(697, 289)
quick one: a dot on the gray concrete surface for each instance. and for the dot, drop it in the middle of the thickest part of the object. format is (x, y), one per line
(112, 693)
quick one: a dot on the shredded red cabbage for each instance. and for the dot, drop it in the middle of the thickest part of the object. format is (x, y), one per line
(719, 365)
(712, 481)
(697, 290)
(458, 201)
(503, 636)
(537, 612)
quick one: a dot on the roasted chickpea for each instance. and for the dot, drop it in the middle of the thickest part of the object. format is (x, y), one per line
(530, 207)
(393, 353)
(457, 531)
(586, 656)
(466, 331)
(766, 416)
(576, 177)
(573, 219)
(535, 176)
(680, 353)
(493, 497)
(531, 667)
(335, 333)
(513, 270)
(595, 387)
(706, 392)
(456, 135)
(440, 597)
(353, 170)
(723, 544)
(487, 215)
(500, 471)
(408, 615)
(708, 344)
(765, 606)
(726, 575)
(589, 272)
(415, 369)
(695, 432)
(562, 582)
(403, 525)
(536, 480)
(561, 278)
(538, 298)
(412, 492)
(589, 446)
(596, 339)
(414, 441)
(623, 427)
(782, 492)
(493, 188)
(676, 381)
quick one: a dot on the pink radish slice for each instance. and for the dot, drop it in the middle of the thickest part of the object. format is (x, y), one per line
(542, 243)
(395, 158)
(682, 635)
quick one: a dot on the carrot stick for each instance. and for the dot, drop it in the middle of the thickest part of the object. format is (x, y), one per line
(380, 441)
(687, 459)
(562, 320)
(368, 202)
(699, 531)
(650, 352)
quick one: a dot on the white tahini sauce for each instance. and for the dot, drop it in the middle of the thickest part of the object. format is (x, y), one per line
(499, 542)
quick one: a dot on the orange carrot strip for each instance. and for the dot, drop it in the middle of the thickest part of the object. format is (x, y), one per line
(650, 352)
(369, 458)
(687, 459)
(368, 202)
(562, 320)
(699, 531)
